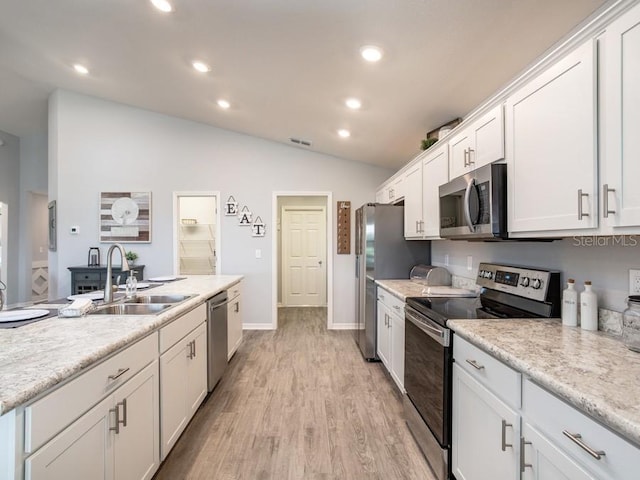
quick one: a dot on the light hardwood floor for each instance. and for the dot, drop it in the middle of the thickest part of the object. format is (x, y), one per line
(299, 403)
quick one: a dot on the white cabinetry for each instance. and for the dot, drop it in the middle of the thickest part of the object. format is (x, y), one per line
(485, 421)
(435, 172)
(117, 438)
(183, 374)
(551, 147)
(620, 168)
(558, 435)
(234, 320)
(478, 144)
(390, 341)
(412, 186)
(391, 191)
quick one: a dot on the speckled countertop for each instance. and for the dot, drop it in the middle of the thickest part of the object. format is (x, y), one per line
(593, 371)
(402, 288)
(36, 357)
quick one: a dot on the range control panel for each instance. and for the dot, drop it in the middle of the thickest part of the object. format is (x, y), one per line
(526, 282)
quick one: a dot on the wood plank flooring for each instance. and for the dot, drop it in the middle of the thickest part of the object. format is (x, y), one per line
(299, 403)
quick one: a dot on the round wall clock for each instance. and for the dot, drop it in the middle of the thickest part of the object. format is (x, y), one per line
(124, 211)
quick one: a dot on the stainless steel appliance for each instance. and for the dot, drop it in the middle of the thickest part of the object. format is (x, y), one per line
(475, 205)
(216, 338)
(381, 253)
(507, 292)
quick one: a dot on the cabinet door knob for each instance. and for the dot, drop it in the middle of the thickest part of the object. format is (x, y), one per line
(577, 439)
(523, 463)
(475, 364)
(504, 436)
(605, 200)
(119, 373)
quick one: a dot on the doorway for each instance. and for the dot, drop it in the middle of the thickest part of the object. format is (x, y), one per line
(4, 233)
(302, 252)
(196, 233)
(39, 229)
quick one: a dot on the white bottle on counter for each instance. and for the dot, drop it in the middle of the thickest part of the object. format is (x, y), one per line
(570, 304)
(588, 308)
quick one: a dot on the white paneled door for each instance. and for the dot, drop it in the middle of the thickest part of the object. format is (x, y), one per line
(304, 274)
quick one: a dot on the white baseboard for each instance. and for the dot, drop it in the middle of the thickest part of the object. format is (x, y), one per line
(344, 326)
(257, 326)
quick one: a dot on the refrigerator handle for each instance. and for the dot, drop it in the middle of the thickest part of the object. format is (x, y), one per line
(357, 266)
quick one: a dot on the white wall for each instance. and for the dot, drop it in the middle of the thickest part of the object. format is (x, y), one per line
(33, 179)
(606, 265)
(10, 194)
(96, 145)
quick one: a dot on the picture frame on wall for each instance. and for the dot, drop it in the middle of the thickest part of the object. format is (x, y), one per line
(125, 217)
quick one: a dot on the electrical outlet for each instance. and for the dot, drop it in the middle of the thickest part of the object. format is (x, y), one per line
(634, 282)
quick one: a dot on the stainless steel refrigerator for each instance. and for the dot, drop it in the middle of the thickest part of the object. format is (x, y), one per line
(381, 253)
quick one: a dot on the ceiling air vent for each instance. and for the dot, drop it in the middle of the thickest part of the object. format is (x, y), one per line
(298, 141)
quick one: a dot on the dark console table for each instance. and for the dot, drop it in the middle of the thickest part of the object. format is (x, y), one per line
(87, 279)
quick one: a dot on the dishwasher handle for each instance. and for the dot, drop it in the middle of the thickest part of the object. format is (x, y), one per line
(213, 306)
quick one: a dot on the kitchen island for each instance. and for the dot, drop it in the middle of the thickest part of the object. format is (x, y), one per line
(37, 357)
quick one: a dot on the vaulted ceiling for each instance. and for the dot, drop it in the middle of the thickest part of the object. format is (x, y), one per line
(285, 66)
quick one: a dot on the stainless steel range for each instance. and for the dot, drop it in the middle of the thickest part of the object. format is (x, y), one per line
(506, 292)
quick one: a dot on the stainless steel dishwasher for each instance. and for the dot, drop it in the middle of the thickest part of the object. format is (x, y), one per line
(216, 338)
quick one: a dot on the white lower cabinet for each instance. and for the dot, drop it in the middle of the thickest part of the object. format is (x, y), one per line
(484, 432)
(542, 460)
(390, 339)
(183, 385)
(234, 320)
(541, 437)
(118, 438)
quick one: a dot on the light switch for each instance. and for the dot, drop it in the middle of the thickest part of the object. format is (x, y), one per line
(258, 253)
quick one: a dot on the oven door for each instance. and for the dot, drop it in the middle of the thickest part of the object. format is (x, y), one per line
(427, 372)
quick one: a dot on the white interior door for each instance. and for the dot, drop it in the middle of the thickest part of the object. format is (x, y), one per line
(304, 255)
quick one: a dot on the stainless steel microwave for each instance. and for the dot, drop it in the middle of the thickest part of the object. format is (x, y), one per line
(474, 206)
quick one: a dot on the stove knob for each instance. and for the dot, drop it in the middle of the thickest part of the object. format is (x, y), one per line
(481, 273)
(524, 282)
(536, 284)
(489, 275)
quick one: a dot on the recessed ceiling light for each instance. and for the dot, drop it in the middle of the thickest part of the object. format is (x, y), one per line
(201, 66)
(371, 53)
(344, 133)
(222, 103)
(162, 5)
(353, 103)
(81, 69)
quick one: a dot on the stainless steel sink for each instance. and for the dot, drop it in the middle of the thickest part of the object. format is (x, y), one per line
(132, 309)
(154, 299)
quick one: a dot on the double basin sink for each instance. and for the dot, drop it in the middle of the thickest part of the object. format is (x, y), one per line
(142, 305)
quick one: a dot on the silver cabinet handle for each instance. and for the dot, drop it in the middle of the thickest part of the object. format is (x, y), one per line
(237, 307)
(580, 212)
(396, 307)
(523, 463)
(471, 162)
(475, 364)
(195, 352)
(576, 438)
(466, 155)
(124, 411)
(119, 373)
(605, 200)
(504, 443)
(386, 320)
(190, 350)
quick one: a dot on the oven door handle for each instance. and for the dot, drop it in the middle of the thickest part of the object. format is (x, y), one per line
(439, 334)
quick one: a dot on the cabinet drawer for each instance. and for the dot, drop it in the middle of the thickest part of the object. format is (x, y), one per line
(494, 374)
(180, 327)
(552, 416)
(392, 302)
(49, 415)
(234, 291)
(92, 276)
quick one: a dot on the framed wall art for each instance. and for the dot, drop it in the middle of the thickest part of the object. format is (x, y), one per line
(125, 217)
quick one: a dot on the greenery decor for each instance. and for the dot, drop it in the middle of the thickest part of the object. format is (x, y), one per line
(131, 256)
(427, 142)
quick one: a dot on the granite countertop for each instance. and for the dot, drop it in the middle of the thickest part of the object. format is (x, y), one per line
(36, 357)
(402, 288)
(593, 371)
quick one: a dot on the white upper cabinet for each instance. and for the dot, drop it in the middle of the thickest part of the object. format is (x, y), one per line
(480, 143)
(435, 172)
(391, 191)
(620, 167)
(551, 132)
(412, 183)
